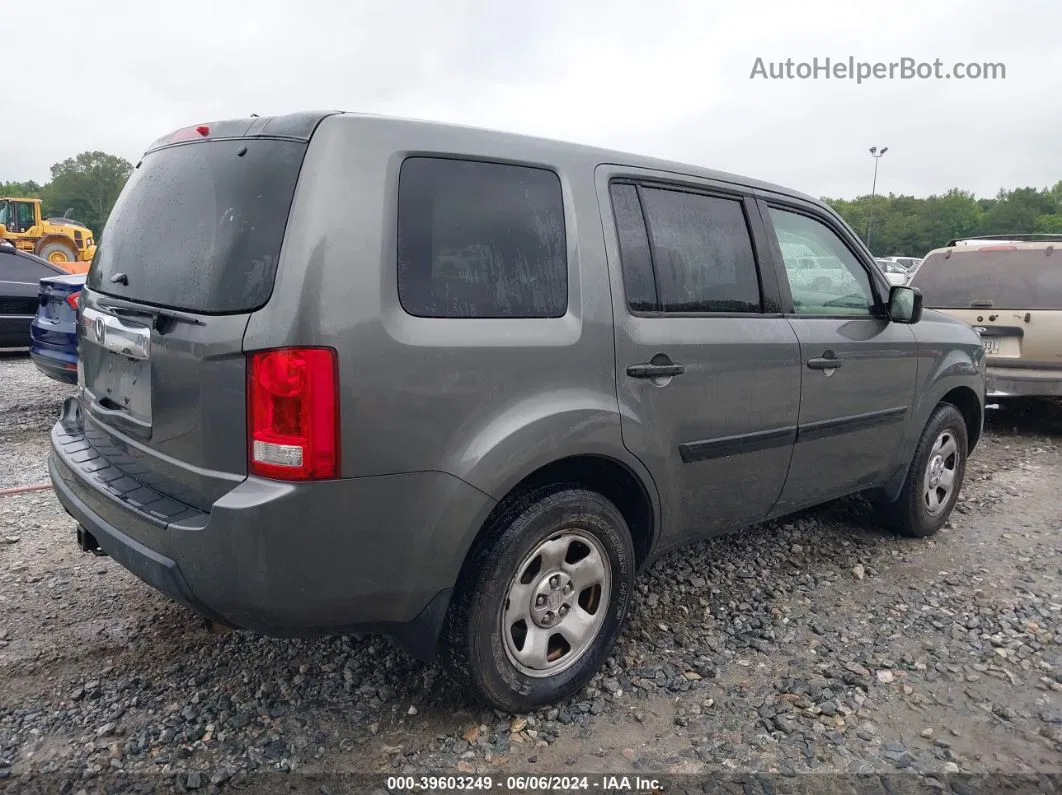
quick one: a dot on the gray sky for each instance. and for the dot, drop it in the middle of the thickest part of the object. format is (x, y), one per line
(665, 78)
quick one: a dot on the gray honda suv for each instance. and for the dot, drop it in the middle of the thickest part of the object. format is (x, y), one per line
(350, 373)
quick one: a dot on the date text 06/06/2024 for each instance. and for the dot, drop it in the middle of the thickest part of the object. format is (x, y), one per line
(632, 785)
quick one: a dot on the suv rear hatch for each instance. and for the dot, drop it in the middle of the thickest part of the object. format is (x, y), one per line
(1010, 292)
(188, 253)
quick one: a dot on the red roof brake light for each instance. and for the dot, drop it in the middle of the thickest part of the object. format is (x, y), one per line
(998, 248)
(293, 414)
(190, 133)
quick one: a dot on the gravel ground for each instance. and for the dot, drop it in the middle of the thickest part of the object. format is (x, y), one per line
(814, 644)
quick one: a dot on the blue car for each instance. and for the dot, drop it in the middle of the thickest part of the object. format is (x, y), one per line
(53, 332)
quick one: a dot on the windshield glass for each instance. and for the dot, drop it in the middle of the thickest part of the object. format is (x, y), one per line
(199, 226)
(3, 212)
(1016, 279)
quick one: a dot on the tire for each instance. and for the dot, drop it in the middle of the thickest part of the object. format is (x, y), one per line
(57, 252)
(914, 512)
(510, 581)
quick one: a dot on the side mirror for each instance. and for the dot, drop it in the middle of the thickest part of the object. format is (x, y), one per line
(905, 304)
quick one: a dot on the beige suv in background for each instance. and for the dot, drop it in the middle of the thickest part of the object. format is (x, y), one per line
(1009, 288)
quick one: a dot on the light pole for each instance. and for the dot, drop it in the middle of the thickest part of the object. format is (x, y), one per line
(874, 153)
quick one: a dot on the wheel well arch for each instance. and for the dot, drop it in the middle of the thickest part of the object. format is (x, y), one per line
(606, 476)
(965, 400)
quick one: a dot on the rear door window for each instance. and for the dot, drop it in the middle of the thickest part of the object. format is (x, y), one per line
(199, 226)
(635, 257)
(1008, 279)
(702, 252)
(480, 240)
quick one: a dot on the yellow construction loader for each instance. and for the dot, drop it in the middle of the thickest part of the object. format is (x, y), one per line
(57, 240)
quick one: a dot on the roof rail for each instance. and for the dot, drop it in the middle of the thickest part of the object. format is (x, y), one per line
(1019, 237)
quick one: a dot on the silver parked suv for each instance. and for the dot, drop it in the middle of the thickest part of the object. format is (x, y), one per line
(342, 372)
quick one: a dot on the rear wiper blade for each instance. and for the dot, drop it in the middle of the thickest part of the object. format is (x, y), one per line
(120, 305)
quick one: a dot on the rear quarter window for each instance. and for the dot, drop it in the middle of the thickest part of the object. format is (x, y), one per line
(1014, 279)
(480, 240)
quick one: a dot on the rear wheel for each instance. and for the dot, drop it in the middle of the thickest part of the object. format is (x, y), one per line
(935, 477)
(543, 601)
(57, 253)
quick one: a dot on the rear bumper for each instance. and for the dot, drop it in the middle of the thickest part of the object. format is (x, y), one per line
(377, 554)
(158, 571)
(55, 362)
(1006, 382)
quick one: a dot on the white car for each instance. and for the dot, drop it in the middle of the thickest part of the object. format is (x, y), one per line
(895, 272)
(820, 273)
(907, 263)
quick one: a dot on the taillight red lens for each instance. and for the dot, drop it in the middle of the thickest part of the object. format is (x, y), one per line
(293, 414)
(72, 300)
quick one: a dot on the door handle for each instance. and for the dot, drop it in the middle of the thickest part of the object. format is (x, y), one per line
(828, 361)
(655, 370)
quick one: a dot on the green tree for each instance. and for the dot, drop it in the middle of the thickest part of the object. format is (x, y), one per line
(88, 185)
(1049, 223)
(955, 214)
(20, 190)
(913, 226)
(1017, 210)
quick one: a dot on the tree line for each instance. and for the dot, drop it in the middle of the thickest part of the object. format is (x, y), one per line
(910, 226)
(84, 187)
(87, 186)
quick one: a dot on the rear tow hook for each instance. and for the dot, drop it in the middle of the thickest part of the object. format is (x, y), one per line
(88, 543)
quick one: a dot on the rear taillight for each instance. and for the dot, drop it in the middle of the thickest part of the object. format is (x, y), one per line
(293, 414)
(72, 299)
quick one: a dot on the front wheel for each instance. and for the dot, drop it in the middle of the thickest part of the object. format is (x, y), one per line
(543, 600)
(57, 253)
(933, 481)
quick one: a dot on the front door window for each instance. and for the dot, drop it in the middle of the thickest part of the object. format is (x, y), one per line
(829, 281)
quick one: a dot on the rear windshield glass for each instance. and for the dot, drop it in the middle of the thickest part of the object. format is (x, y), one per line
(1021, 279)
(198, 227)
